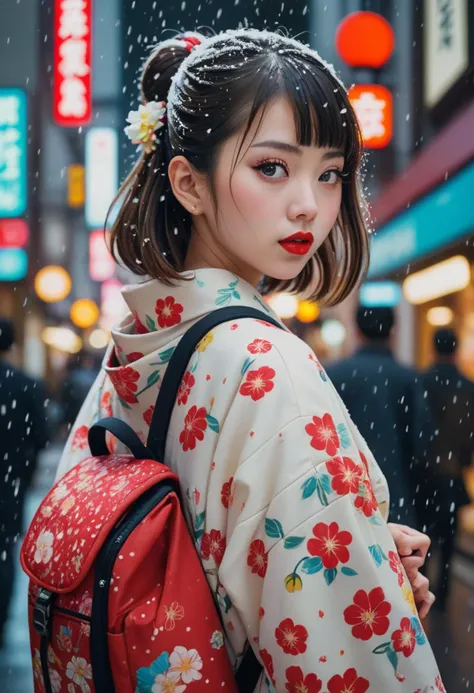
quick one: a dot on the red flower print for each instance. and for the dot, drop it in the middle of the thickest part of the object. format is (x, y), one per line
(439, 684)
(261, 613)
(396, 565)
(79, 441)
(185, 388)
(257, 558)
(258, 383)
(213, 544)
(148, 414)
(105, 406)
(368, 614)
(259, 346)
(125, 382)
(346, 475)
(330, 544)
(366, 500)
(404, 640)
(349, 682)
(139, 326)
(297, 682)
(323, 434)
(291, 638)
(226, 492)
(195, 424)
(268, 664)
(168, 312)
(134, 356)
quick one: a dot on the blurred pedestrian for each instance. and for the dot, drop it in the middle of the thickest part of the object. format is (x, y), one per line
(23, 433)
(82, 371)
(451, 399)
(385, 401)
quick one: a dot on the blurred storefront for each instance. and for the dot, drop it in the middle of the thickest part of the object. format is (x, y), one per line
(424, 218)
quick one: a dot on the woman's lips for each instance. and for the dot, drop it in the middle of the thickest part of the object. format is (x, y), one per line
(298, 243)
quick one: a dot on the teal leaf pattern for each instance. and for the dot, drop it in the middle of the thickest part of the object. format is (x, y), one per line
(310, 566)
(213, 423)
(274, 529)
(309, 487)
(377, 554)
(344, 436)
(166, 355)
(247, 363)
(146, 676)
(124, 404)
(382, 649)
(330, 575)
(323, 487)
(350, 572)
(392, 658)
(293, 542)
(225, 296)
(153, 378)
(376, 521)
(150, 324)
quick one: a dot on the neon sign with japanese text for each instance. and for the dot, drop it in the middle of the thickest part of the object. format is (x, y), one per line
(72, 62)
(13, 152)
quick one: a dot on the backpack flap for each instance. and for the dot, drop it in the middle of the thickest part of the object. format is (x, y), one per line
(79, 512)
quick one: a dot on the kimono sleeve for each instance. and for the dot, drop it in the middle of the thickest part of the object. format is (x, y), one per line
(98, 403)
(310, 565)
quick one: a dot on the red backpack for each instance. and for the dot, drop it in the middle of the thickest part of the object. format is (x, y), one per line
(118, 600)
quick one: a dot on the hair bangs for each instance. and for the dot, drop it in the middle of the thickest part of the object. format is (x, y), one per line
(323, 114)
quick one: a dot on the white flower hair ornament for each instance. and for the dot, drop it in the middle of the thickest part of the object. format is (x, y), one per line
(145, 123)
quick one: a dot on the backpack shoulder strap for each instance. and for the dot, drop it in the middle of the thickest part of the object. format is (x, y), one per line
(177, 368)
(250, 668)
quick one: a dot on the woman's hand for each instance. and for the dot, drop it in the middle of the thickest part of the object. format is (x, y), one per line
(412, 547)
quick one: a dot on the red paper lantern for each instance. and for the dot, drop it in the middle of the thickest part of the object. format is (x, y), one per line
(365, 39)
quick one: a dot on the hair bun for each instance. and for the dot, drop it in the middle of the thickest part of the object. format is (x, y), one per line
(160, 68)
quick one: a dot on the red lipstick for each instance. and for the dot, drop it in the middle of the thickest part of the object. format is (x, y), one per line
(298, 243)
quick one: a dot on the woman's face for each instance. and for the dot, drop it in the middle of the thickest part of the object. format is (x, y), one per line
(276, 207)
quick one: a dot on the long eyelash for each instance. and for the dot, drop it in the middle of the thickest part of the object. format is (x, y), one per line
(259, 164)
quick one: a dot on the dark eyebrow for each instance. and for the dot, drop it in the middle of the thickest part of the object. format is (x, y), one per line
(286, 147)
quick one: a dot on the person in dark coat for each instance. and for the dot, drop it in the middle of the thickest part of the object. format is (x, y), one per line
(450, 397)
(385, 401)
(23, 433)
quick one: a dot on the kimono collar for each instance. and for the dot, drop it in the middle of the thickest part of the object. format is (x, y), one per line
(160, 314)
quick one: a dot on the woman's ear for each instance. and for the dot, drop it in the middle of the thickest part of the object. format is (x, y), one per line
(186, 184)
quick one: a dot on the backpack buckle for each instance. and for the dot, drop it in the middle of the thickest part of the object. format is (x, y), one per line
(42, 612)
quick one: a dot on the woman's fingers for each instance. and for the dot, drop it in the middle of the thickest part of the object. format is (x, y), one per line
(410, 542)
(425, 607)
(412, 564)
(424, 599)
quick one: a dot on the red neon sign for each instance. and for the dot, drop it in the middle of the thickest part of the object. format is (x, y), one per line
(72, 62)
(373, 105)
(13, 233)
(101, 262)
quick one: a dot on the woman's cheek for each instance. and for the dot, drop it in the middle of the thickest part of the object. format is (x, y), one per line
(254, 198)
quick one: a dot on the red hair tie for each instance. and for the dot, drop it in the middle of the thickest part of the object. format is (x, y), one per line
(190, 42)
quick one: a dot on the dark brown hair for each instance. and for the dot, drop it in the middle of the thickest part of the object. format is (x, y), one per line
(225, 84)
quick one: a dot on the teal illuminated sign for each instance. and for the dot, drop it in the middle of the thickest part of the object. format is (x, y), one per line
(13, 264)
(432, 223)
(13, 152)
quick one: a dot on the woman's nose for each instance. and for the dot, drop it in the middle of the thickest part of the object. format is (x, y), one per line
(303, 205)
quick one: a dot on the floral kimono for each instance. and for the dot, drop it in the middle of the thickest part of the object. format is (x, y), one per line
(285, 502)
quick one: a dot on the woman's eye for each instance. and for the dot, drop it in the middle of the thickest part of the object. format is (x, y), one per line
(331, 177)
(272, 169)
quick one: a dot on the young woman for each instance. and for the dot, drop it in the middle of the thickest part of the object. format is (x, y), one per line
(248, 183)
